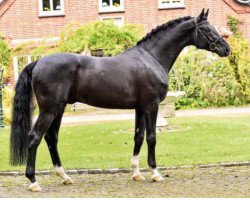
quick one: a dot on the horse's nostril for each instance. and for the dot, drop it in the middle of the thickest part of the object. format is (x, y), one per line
(227, 50)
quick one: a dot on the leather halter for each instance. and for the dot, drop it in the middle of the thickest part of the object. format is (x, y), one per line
(212, 45)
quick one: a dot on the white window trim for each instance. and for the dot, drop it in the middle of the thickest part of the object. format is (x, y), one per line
(118, 17)
(111, 8)
(170, 5)
(52, 12)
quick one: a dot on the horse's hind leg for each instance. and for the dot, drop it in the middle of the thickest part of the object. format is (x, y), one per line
(35, 136)
(138, 138)
(51, 138)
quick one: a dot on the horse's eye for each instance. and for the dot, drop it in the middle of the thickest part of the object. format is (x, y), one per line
(208, 29)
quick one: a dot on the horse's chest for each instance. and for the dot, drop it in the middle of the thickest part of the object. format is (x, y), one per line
(162, 89)
(156, 87)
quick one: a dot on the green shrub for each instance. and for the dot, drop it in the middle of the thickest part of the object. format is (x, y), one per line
(210, 80)
(239, 58)
(8, 94)
(213, 81)
(73, 38)
(5, 59)
(36, 50)
(99, 35)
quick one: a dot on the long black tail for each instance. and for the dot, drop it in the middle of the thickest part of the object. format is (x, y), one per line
(21, 117)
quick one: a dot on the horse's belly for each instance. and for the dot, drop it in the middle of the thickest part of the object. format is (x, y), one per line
(105, 101)
(107, 96)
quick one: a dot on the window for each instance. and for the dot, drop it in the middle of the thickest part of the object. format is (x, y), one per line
(171, 4)
(118, 21)
(111, 5)
(51, 8)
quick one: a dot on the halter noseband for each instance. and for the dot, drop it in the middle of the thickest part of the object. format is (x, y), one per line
(212, 45)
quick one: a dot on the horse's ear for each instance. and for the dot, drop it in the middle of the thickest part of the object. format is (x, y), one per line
(206, 14)
(200, 18)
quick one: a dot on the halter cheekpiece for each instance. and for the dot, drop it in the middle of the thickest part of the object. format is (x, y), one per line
(212, 45)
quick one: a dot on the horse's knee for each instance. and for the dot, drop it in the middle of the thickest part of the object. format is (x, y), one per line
(151, 140)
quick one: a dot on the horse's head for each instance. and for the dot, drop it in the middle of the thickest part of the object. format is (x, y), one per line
(206, 37)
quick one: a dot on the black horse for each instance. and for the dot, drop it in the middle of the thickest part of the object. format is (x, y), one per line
(135, 79)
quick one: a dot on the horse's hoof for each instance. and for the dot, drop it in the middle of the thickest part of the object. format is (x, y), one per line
(34, 187)
(68, 181)
(138, 177)
(157, 178)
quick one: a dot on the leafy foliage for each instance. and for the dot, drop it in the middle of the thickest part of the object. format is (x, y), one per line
(99, 35)
(210, 80)
(36, 50)
(5, 63)
(73, 38)
(5, 59)
(8, 94)
(213, 81)
(233, 23)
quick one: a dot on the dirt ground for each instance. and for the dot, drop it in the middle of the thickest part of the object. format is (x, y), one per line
(195, 182)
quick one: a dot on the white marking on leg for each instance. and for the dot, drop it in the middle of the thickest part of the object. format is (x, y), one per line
(34, 187)
(135, 165)
(155, 175)
(60, 172)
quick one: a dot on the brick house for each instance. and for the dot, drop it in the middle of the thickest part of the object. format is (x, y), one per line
(25, 20)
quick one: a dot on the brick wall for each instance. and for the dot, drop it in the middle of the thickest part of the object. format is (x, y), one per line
(21, 20)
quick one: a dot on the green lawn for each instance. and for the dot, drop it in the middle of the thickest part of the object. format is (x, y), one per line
(197, 140)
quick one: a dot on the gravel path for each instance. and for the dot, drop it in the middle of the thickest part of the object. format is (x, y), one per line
(193, 182)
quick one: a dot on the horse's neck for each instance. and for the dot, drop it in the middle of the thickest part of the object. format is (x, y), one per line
(166, 49)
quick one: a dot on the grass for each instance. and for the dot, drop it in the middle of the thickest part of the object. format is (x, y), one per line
(196, 140)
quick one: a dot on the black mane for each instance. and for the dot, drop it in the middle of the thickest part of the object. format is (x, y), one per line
(163, 27)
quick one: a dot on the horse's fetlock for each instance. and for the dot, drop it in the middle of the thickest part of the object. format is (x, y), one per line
(30, 174)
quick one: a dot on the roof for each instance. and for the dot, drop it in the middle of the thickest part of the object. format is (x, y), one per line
(5, 5)
(238, 6)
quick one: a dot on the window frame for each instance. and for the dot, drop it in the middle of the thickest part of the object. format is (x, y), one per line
(113, 18)
(51, 13)
(171, 5)
(111, 8)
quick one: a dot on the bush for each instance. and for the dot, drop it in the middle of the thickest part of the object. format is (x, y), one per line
(73, 38)
(98, 35)
(8, 94)
(213, 81)
(5, 63)
(210, 80)
(35, 49)
(5, 59)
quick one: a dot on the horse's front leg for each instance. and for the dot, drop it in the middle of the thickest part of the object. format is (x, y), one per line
(150, 119)
(139, 137)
